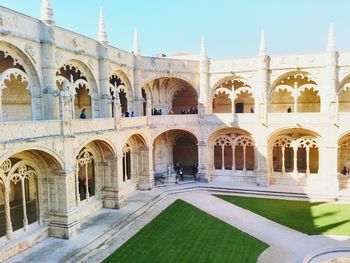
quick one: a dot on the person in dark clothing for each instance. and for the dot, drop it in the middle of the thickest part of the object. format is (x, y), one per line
(194, 171)
(83, 114)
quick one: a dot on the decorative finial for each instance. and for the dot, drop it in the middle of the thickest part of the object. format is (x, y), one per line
(262, 48)
(102, 34)
(136, 49)
(331, 38)
(203, 53)
(46, 12)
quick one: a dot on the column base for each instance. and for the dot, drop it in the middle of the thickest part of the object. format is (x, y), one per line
(145, 183)
(113, 199)
(202, 177)
(262, 178)
(63, 224)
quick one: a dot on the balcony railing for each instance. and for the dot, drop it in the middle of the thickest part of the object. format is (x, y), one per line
(34, 129)
(29, 129)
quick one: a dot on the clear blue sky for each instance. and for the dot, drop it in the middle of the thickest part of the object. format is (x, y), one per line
(231, 27)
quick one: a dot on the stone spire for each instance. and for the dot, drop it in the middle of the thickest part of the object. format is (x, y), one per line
(262, 48)
(331, 39)
(46, 12)
(136, 48)
(102, 34)
(203, 53)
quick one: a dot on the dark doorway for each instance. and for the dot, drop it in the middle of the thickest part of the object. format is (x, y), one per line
(239, 107)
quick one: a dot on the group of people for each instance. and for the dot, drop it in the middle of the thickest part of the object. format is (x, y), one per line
(180, 171)
(345, 171)
(190, 111)
(127, 114)
(157, 112)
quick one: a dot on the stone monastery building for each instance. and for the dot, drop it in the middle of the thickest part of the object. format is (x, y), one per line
(263, 120)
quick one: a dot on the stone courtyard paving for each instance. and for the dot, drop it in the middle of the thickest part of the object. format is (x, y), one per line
(102, 233)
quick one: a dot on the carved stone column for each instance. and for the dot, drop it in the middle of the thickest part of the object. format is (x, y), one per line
(49, 68)
(106, 110)
(146, 173)
(63, 216)
(203, 163)
(9, 230)
(113, 196)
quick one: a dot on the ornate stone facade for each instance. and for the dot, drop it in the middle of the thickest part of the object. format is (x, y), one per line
(264, 120)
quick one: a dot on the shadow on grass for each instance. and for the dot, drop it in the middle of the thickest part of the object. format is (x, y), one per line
(312, 218)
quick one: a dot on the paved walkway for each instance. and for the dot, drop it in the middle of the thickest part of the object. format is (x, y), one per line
(105, 231)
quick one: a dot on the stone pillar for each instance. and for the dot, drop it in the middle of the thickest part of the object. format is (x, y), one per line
(295, 159)
(307, 160)
(233, 159)
(261, 171)
(261, 96)
(113, 196)
(222, 158)
(106, 109)
(203, 162)
(146, 178)
(138, 100)
(63, 217)
(328, 161)
(25, 219)
(283, 160)
(9, 230)
(49, 89)
(244, 159)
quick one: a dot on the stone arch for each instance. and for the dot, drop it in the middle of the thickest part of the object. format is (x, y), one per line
(295, 91)
(232, 153)
(20, 86)
(135, 163)
(172, 94)
(92, 170)
(28, 178)
(293, 153)
(75, 77)
(174, 149)
(344, 154)
(232, 95)
(121, 90)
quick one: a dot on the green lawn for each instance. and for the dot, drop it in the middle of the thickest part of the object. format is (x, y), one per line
(307, 217)
(183, 233)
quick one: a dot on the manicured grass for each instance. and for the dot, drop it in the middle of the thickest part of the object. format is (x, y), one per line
(183, 233)
(307, 217)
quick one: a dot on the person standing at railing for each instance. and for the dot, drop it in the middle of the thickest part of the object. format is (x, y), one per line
(83, 114)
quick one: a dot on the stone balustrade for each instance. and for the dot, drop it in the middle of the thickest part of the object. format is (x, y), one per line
(29, 129)
(34, 129)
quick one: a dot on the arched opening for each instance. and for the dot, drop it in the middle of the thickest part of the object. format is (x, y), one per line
(92, 171)
(233, 153)
(233, 96)
(185, 101)
(86, 174)
(295, 92)
(135, 163)
(294, 154)
(175, 149)
(16, 98)
(74, 80)
(172, 95)
(121, 87)
(27, 195)
(344, 155)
